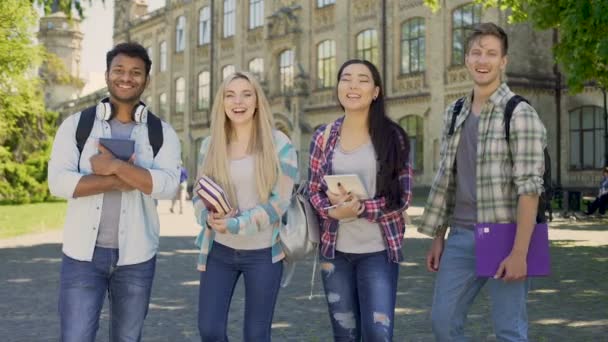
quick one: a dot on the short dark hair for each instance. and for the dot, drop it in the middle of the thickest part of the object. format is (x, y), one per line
(130, 49)
(488, 29)
(606, 169)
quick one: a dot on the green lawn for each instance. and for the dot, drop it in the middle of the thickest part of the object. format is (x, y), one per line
(30, 218)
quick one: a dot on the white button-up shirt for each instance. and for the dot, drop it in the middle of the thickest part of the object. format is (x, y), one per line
(139, 225)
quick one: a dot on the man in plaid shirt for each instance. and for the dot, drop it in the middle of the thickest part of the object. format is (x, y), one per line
(484, 178)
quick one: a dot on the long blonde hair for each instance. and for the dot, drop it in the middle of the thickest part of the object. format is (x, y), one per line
(261, 143)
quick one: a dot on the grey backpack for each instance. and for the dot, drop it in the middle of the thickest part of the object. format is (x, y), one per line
(300, 236)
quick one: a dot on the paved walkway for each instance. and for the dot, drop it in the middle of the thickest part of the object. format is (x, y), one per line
(569, 306)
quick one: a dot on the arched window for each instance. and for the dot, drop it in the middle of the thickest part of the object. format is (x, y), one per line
(326, 64)
(228, 70)
(414, 127)
(256, 67)
(464, 18)
(367, 46)
(587, 138)
(412, 46)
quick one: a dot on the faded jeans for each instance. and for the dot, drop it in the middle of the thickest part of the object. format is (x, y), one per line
(361, 292)
(457, 285)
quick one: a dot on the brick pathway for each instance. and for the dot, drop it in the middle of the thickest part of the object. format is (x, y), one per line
(569, 306)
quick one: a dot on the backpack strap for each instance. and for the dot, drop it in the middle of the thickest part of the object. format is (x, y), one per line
(509, 108)
(455, 113)
(155, 133)
(83, 130)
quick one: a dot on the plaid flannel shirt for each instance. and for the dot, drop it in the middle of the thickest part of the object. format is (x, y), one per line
(264, 214)
(391, 221)
(504, 170)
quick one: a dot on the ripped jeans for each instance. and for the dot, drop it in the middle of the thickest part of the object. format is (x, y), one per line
(361, 291)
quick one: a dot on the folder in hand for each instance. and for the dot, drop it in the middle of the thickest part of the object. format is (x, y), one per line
(122, 149)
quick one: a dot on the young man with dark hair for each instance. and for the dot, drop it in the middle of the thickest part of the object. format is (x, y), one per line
(111, 229)
(484, 178)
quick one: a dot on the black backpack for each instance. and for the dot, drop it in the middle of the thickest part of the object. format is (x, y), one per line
(85, 125)
(544, 200)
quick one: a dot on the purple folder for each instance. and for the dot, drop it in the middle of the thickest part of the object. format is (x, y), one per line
(494, 241)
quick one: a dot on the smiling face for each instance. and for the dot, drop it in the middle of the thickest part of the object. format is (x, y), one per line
(486, 61)
(126, 78)
(240, 101)
(356, 88)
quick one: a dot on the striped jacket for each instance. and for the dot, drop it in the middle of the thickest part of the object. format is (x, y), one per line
(504, 170)
(265, 214)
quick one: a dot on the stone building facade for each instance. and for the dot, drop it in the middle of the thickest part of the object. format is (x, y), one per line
(296, 48)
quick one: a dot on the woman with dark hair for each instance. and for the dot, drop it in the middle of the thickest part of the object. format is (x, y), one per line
(361, 239)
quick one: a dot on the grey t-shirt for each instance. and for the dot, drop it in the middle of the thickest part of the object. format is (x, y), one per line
(465, 209)
(242, 173)
(110, 211)
(358, 235)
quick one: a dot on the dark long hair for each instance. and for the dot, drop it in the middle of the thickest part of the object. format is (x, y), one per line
(390, 141)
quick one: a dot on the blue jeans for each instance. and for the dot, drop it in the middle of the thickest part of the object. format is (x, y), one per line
(457, 285)
(83, 287)
(262, 281)
(361, 291)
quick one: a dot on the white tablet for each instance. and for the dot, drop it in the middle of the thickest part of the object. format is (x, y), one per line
(350, 182)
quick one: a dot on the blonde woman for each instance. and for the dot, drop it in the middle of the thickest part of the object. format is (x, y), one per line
(257, 168)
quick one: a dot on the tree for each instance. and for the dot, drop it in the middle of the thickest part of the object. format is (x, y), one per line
(26, 128)
(65, 6)
(582, 50)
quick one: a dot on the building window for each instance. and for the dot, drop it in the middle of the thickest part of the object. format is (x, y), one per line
(163, 56)
(256, 67)
(587, 138)
(150, 55)
(227, 71)
(229, 18)
(180, 95)
(203, 90)
(413, 126)
(180, 34)
(463, 20)
(204, 26)
(286, 71)
(323, 3)
(162, 105)
(256, 13)
(412, 46)
(367, 46)
(326, 64)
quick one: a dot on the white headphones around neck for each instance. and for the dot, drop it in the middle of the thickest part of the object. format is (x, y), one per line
(104, 111)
